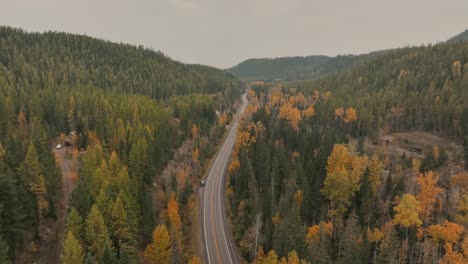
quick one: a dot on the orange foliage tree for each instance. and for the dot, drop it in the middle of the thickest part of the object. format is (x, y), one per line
(427, 195)
(159, 251)
(308, 112)
(350, 115)
(291, 114)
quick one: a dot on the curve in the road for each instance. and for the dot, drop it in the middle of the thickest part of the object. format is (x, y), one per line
(218, 245)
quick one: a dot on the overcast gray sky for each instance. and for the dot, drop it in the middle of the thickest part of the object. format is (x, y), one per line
(222, 33)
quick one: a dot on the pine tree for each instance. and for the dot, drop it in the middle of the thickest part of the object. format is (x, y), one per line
(96, 234)
(11, 212)
(159, 251)
(72, 251)
(35, 181)
(75, 223)
(4, 256)
(139, 161)
(108, 255)
(119, 222)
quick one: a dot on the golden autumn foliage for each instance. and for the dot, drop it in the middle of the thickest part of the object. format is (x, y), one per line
(375, 236)
(350, 115)
(464, 246)
(339, 112)
(344, 172)
(251, 94)
(247, 137)
(291, 114)
(309, 111)
(407, 212)
(181, 177)
(295, 154)
(447, 232)
(173, 212)
(299, 98)
(298, 197)
(375, 170)
(272, 258)
(427, 195)
(159, 251)
(459, 182)
(275, 97)
(313, 232)
(194, 131)
(453, 257)
(243, 141)
(195, 154)
(234, 165)
(194, 260)
(292, 258)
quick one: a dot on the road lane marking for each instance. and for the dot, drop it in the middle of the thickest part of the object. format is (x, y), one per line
(204, 222)
(208, 181)
(213, 230)
(230, 140)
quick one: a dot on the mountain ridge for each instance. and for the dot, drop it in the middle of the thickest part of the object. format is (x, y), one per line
(295, 68)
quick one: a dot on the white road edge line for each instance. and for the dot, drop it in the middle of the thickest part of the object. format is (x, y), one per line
(233, 128)
(207, 183)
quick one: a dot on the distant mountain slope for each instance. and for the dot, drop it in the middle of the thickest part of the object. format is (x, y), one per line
(304, 68)
(291, 68)
(296, 68)
(460, 37)
(107, 65)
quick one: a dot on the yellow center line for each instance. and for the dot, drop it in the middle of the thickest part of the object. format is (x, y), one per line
(213, 222)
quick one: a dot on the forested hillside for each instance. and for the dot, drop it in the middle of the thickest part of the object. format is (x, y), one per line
(460, 37)
(52, 84)
(291, 68)
(70, 60)
(330, 171)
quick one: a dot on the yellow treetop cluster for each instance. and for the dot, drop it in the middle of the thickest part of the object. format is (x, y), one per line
(308, 112)
(375, 236)
(344, 172)
(313, 232)
(427, 196)
(291, 114)
(407, 212)
(234, 165)
(272, 258)
(349, 115)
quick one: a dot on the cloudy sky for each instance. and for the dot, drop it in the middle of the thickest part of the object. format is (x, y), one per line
(223, 33)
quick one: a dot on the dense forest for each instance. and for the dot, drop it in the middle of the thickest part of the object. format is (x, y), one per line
(127, 113)
(327, 171)
(295, 68)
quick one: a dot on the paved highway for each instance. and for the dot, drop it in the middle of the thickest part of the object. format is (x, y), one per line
(218, 245)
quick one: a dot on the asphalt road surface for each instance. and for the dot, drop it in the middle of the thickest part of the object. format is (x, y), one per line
(218, 245)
